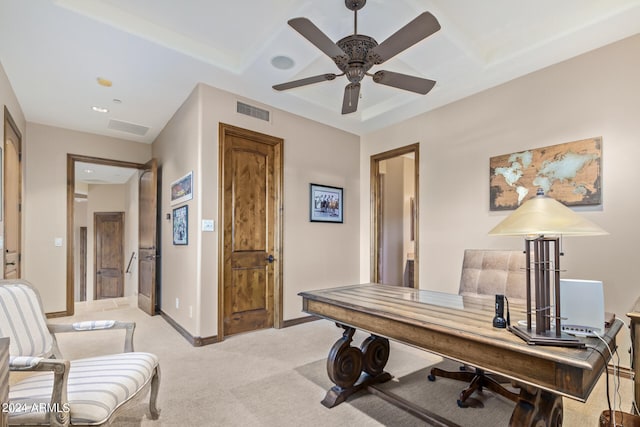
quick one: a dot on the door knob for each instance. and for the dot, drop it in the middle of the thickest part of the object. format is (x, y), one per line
(270, 258)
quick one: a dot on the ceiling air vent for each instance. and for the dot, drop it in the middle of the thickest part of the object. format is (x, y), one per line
(250, 110)
(128, 127)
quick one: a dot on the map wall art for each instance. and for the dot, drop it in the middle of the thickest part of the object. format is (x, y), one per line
(569, 172)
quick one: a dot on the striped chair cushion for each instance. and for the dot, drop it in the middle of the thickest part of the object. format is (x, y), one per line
(22, 320)
(97, 386)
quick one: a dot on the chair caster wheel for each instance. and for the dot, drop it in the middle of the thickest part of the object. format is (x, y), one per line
(431, 377)
(461, 404)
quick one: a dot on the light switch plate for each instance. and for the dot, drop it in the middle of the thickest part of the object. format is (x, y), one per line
(208, 225)
(57, 241)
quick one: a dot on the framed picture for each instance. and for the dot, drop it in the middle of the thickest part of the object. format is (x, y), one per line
(568, 172)
(326, 204)
(182, 189)
(181, 225)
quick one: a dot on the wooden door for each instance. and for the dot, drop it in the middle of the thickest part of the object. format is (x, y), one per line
(12, 198)
(147, 238)
(109, 254)
(251, 165)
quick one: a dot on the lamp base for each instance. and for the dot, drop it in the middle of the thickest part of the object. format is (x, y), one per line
(547, 338)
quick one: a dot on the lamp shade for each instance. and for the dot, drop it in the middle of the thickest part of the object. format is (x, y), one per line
(542, 215)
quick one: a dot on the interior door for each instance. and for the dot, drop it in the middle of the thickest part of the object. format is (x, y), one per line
(147, 249)
(12, 198)
(109, 254)
(250, 208)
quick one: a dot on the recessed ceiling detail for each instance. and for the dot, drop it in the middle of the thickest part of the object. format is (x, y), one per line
(156, 52)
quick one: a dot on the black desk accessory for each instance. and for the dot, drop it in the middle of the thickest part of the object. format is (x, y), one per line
(499, 321)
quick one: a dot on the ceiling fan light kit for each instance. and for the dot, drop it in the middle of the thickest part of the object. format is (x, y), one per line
(355, 54)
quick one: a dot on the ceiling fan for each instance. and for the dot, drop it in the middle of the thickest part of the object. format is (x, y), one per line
(356, 54)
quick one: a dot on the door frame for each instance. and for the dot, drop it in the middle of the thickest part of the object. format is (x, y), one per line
(71, 184)
(83, 264)
(225, 130)
(376, 200)
(9, 122)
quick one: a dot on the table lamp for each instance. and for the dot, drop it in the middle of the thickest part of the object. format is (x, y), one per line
(542, 221)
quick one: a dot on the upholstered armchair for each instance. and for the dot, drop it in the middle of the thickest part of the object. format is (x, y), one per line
(486, 273)
(60, 392)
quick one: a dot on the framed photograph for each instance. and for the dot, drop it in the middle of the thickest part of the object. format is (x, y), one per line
(182, 189)
(181, 225)
(326, 203)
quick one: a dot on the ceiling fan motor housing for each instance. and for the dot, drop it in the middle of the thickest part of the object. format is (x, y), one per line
(356, 63)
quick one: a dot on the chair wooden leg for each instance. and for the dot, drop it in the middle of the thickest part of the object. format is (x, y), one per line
(154, 412)
(495, 386)
(476, 384)
(465, 376)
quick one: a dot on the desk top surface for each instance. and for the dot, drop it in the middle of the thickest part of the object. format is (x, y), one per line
(460, 327)
(635, 311)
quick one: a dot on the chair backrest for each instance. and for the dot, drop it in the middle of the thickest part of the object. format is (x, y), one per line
(490, 272)
(22, 319)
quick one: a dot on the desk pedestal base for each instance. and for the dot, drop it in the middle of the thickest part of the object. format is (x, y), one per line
(538, 408)
(351, 369)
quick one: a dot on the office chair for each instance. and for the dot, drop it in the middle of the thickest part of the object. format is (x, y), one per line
(487, 273)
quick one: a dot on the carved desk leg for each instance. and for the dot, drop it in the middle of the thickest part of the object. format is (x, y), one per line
(537, 408)
(352, 369)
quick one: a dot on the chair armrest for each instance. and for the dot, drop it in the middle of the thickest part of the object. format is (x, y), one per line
(97, 325)
(60, 369)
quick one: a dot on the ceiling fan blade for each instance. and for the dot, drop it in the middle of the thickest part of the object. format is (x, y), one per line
(404, 81)
(418, 29)
(305, 81)
(312, 33)
(351, 96)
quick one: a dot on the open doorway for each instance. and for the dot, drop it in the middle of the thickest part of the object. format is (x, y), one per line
(99, 187)
(103, 246)
(394, 184)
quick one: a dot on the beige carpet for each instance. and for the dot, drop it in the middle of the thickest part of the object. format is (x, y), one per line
(278, 378)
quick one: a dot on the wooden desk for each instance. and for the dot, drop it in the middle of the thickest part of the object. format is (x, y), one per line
(634, 315)
(455, 327)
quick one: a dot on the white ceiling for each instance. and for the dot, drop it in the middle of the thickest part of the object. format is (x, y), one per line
(94, 173)
(156, 51)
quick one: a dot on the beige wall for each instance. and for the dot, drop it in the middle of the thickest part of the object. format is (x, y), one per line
(392, 233)
(8, 99)
(45, 216)
(595, 94)
(177, 149)
(315, 255)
